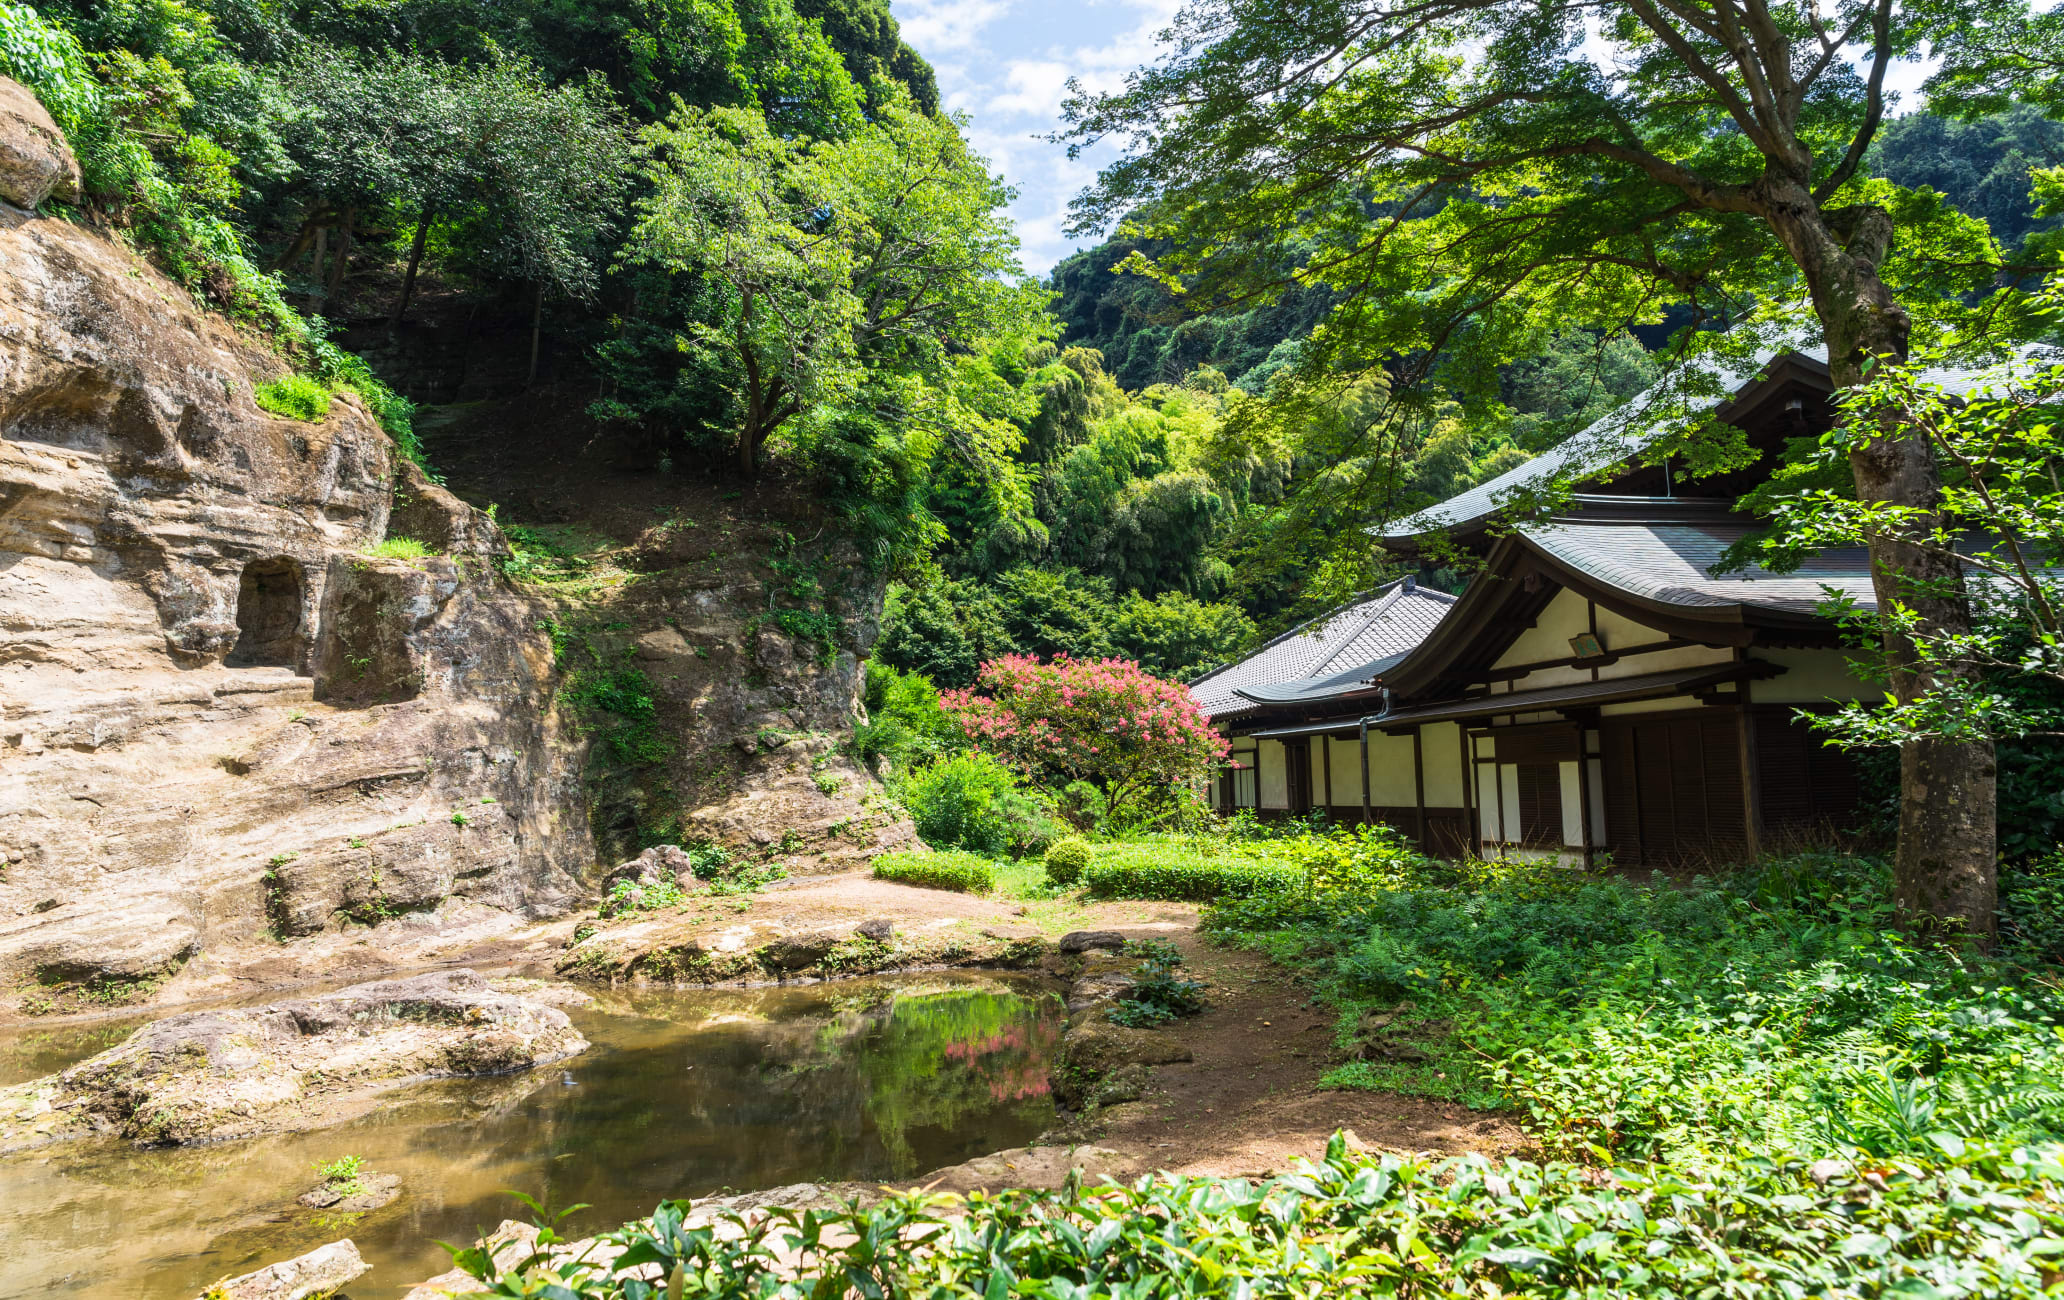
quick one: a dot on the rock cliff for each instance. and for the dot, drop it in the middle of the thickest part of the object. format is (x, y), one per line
(223, 722)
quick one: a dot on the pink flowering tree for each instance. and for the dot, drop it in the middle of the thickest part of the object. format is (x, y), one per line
(1105, 721)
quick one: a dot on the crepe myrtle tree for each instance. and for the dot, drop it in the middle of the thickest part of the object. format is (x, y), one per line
(1104, 721)
(1466, 176)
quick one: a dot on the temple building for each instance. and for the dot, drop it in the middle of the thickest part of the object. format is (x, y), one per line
(1595, 688)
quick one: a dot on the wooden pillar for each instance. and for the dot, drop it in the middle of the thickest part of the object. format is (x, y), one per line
(1751, 778)
(1327, 764)
(1584, 790)
(1498, 775)
(1367, 817)
(1472, 833)
(1419, 785)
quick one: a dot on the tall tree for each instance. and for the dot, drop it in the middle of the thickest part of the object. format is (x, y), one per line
(1470, 173)
(855, 270)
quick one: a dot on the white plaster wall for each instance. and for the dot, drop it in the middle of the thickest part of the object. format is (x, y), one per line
(1567, 614)
(1664, 705)
(1812, 677)
(1275, 784)
(1347, 772)
(1390, 771)
(1441, 746)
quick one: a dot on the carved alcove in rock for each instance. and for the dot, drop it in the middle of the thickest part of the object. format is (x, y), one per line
(271, 596)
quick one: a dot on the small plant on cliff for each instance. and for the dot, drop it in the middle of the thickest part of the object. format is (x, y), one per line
(630, 896)
(398, 548)
(295, 396)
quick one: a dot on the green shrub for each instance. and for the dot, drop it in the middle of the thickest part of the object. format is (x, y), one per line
(964, 873)
(904, 721)
(970, 801)
(2032, 910)
(1159, 994)
(1187, 878)
(398, 548)
(295, 396)
(1065, 860)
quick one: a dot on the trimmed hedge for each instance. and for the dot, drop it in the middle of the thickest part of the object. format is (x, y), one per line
(1066, 860)
(1187, 878)
(964, 873)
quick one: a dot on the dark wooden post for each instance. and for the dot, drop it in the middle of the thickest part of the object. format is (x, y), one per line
(1367, 816)
(1472, 833)
(1584, 790)
(1419, 786)
(1751, 778)
(1327, 763)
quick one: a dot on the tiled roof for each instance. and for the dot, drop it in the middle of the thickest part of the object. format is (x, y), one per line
(1672, 563)
(1619, 436)
(1624, 433)
(1333, 646)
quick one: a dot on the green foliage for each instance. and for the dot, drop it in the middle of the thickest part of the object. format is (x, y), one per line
(963, 873)
(1771, 1015)
(609, 696)
(295, 396)
(971, 801)
(2032, 910)
(1983, 1221)
(1159, 994)
(727, 875)
(1066, 859)
(629, 896)
(344, 1175)
(398, 548)
(904, 721)
(1180, 870)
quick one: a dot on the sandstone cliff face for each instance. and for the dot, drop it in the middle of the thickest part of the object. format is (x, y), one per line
(221, 724)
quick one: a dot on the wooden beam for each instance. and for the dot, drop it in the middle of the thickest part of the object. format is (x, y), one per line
(1472, 832)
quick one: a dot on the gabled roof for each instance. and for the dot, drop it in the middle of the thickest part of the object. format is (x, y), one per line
(1670, 564)
(1334, 646)
(1618, 437)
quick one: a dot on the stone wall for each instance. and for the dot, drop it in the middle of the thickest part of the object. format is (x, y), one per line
(222, 723)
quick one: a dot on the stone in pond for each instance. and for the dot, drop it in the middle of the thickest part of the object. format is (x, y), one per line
(320, 1272)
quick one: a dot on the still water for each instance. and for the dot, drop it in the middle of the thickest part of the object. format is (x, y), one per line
(680, 1094)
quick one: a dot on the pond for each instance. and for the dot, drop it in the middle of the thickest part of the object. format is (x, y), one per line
(681, 1094)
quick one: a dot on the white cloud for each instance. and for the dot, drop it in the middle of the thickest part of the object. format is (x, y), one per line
(947, 24)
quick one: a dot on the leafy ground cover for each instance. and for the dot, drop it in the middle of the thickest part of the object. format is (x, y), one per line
(966, 873)
(1981, 1223)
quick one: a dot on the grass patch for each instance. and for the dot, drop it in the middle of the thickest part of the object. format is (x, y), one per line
(964, 873)
(398, 548)
(297, 397)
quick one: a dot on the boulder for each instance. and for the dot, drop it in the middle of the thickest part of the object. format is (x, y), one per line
(1126, 1083)
(374, 1191)
(296, 1064)
(321, 1272)
(880, 929)
(795, 951)
(109, 940)
(1080, 941)
(1096, 1049)
(35, 162)
(662, 864)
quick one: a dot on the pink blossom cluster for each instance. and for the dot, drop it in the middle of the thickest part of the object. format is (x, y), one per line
(1102, 720)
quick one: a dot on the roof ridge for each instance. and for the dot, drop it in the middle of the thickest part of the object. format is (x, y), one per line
(1362, 598)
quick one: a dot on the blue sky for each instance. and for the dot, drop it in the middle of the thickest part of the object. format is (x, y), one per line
(1006, 64)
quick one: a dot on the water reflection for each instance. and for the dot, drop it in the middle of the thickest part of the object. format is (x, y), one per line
(681, 1094)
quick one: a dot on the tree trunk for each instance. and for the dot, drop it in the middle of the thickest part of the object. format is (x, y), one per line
(1945, 868)
(342, 266)
(322, 253)
(415, 259)
(537, 326)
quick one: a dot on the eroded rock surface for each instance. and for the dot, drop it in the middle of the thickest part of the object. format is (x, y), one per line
(321, 1272)
(221, 722)
(294, 1064)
